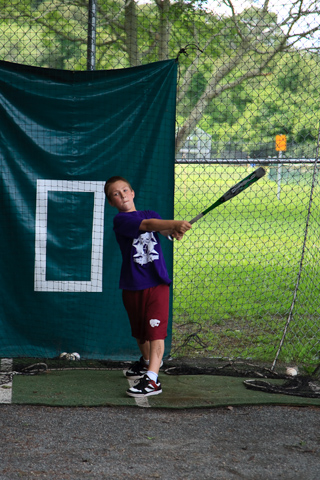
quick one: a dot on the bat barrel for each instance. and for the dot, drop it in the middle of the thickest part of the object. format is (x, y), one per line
(239, 187)
(260, 172)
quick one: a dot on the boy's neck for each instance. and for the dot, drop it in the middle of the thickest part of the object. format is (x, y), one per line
(128, 211)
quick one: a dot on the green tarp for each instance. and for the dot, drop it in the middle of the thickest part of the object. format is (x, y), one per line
(62, 134)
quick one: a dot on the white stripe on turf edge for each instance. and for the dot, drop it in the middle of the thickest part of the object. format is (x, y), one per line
(6, 388)
(141, 402)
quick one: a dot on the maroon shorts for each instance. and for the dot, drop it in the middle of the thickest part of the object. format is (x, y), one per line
(148, 312)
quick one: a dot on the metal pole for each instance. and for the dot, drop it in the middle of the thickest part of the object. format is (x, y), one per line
(91, 48)
(314, 178)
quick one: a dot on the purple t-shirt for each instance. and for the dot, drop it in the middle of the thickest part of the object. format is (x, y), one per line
(143, 264)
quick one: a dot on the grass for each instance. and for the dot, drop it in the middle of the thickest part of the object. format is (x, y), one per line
(235, 273)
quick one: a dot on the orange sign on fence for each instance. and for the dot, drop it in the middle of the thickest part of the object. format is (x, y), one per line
(281, 143)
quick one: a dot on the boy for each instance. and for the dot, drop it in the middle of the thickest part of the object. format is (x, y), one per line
(144, 280)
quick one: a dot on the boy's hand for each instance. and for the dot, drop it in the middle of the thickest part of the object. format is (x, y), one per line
(174, 228)
(180, 227)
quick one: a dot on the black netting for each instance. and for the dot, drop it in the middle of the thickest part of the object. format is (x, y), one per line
(246, 277)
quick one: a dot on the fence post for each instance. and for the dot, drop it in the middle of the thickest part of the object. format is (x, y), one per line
(91, 47)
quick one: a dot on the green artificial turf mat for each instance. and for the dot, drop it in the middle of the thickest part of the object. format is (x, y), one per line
(100, 387)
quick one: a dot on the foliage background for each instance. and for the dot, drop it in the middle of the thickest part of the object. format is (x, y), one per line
(249, 71)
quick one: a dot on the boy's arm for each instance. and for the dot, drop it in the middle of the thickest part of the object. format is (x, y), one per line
(175, 228)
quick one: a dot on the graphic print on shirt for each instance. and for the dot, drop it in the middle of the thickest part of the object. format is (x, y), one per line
(145, 251)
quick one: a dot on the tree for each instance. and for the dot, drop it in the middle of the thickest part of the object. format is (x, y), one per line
(253, 113)
(259, 39)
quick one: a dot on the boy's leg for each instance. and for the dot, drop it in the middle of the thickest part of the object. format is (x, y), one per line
(151, 307)
(157, 314)
(152, 351)
(139, 368)
(156, 355)
(144, 349)
(149, 384)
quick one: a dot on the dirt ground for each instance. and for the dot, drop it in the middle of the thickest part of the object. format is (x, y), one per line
(118, 443)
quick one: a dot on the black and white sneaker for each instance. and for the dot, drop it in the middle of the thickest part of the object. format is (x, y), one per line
(137, 370)
(144, 387)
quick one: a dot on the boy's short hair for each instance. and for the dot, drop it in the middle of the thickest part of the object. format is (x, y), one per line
(112, 180)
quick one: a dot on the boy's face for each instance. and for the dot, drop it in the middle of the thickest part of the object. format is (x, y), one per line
(121, 197)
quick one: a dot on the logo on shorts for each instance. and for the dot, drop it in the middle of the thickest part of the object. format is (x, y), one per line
(154, 322)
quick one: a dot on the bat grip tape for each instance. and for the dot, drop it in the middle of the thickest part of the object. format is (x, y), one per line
(195, 219)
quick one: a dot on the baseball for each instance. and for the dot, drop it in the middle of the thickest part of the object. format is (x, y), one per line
(292, 372)
(70, 356)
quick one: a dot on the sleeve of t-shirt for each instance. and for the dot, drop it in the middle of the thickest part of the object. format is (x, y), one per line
(128, 225)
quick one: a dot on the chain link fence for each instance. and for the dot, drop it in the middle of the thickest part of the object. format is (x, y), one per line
(246, 278)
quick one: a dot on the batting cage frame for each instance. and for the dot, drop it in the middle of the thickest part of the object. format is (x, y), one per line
(245, 278)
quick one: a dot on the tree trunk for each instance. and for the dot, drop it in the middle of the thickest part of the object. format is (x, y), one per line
(131, 27)
(164, 31)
